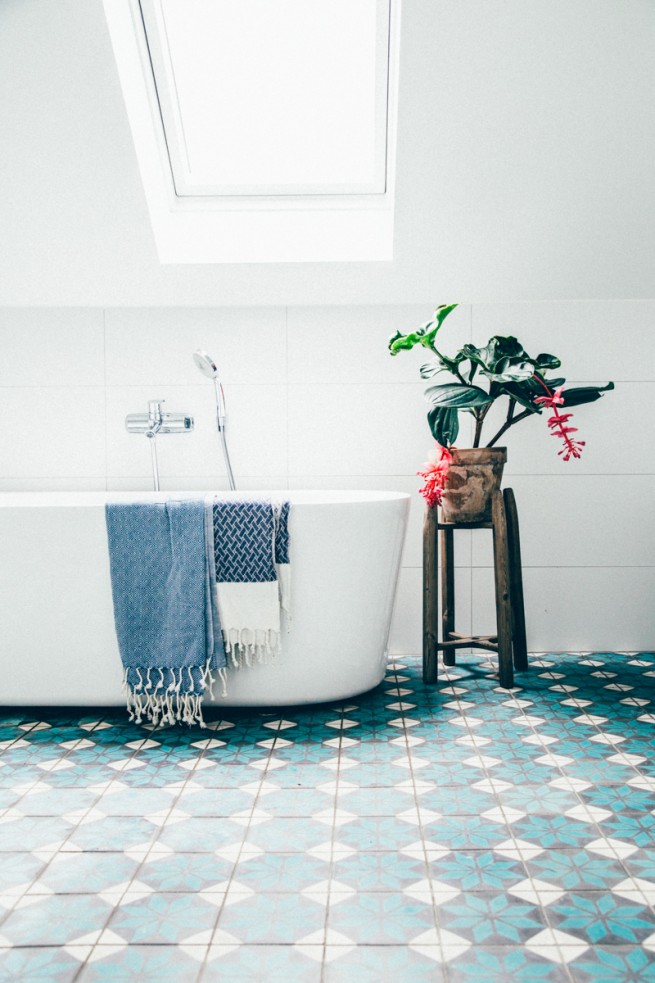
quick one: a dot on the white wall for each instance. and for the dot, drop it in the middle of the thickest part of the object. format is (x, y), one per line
(525, 157)
(315, 400)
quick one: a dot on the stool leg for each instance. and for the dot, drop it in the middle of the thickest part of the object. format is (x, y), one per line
(447, 592)
(516, 583)
(430, 595)
(503, 602)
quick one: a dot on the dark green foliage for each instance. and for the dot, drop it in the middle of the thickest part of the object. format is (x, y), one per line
(503, 362)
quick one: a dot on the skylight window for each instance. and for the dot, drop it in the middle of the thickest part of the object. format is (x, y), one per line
(272, 97)
(264, 129)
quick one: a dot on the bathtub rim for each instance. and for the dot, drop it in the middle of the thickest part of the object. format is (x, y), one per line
(296, 496)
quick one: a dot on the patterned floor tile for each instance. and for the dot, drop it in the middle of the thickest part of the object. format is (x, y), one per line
(602, 918)
(38, 965)
(281, 872)
(613, 964)
(254, 963)
(85, 873)
(382, 964)
(271, 918)
(143, 964)
(380, 871)
(503, 964)
(111, 834)
(164, 919)
(185, 872)
(457, 832)
(477, 870)
(381, 918)
(491, 919)
(58, 919)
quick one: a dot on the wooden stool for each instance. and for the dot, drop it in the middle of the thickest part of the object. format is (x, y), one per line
(509, 641)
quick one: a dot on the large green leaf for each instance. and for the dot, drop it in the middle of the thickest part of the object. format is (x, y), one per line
(457, 396)
(583, 394)
(444, 425)
(424, 335)
(544, 362)
(510, 370)
(497, 350)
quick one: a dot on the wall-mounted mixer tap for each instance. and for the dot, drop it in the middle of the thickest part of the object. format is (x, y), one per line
(156, 422)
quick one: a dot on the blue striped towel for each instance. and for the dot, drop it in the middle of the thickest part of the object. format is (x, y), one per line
(251, 543)
(163, 589)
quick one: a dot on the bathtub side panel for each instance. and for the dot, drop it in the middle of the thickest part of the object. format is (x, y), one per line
(56, 616)
(57, 637)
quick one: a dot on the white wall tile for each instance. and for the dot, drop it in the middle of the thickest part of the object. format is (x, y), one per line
(407, 624)
(350, 344)
(200, 483)
(593, 339)
(578, 608)
(154, 346)
(56, 433)
(51, 347)
(579, 520)
(48, 484)
(257, 436)
(357, 430)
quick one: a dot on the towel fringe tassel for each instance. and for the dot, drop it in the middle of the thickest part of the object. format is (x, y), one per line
(242, 649)
(161, 704)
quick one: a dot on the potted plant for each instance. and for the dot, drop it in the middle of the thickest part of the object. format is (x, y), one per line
(461, 481)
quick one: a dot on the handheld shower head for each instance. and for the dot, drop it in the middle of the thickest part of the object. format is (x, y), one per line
(208, 367)
(206, 364)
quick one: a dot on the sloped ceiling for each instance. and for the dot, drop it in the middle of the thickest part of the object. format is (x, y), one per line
(526, 143)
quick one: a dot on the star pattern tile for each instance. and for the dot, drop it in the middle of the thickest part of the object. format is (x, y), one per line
(452, 833)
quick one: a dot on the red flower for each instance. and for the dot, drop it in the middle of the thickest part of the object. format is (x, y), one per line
(435, 474)
(557, 422)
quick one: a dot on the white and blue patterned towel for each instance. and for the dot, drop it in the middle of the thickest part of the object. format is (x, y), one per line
(161, 563)
(251, 543)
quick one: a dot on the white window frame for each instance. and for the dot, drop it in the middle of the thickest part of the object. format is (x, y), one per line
(249, 228)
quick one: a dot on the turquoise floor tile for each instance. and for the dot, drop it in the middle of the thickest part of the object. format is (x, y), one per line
(380, 871)
(602, 918)
(281, 834)
(185, 872)
(491, 919)
(38, 965)
(272, 918)
(383, 964)
(614, 964)
(144, 964)
(477, 870)
(162, 919)
(201, 834)
(19, 868)
(112, 833)
(255, 963)
(504, 964)
(281, 872)
(58, 919)
(33, 833)
(380, 918)
(86, 873)
(490, 784)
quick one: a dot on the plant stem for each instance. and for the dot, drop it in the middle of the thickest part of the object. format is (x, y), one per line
(509, 422)
(454, 371)
(479, 420)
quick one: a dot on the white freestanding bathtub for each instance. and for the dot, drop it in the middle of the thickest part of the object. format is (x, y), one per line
(57, 640)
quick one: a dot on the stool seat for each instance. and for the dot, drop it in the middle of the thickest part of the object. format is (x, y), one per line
(509, 641)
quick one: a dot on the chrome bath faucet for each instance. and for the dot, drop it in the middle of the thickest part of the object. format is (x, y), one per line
(156, 422)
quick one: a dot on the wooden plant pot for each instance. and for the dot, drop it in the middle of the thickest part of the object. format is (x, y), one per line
(475, 473)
